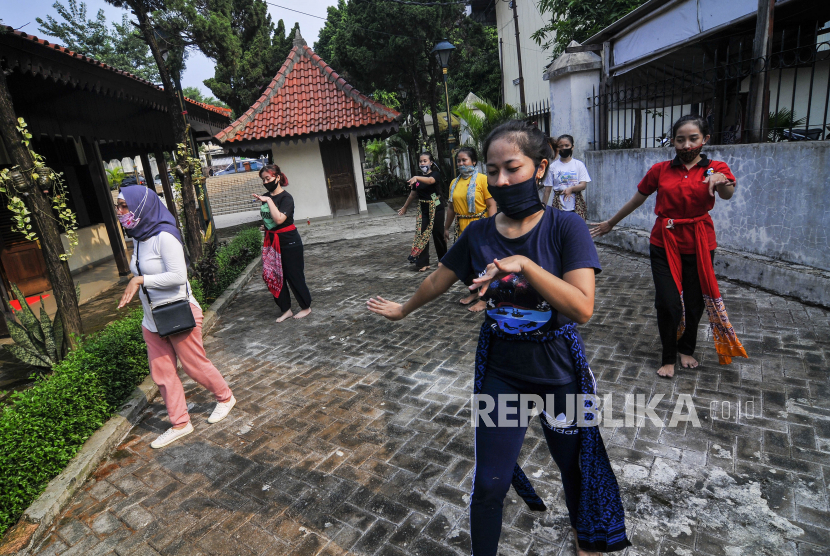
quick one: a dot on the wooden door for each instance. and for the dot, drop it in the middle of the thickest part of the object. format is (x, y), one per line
(25, 267)
(340, 183)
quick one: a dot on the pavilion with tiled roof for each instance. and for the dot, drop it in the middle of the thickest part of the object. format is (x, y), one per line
(310, 119)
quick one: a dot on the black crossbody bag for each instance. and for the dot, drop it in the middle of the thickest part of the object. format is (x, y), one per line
(173, 317)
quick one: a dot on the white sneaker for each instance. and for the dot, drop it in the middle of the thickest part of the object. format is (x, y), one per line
(221, 410)
(171, 435)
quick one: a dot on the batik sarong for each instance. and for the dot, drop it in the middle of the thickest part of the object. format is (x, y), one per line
(272, 260)
(580, 206)
(726, 341)
(600, 523)
(422, 236)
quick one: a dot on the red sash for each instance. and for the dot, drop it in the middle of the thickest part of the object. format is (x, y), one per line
(726, 341)
(272, 260)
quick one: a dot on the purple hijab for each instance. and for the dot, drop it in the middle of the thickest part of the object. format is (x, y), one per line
(154, 216)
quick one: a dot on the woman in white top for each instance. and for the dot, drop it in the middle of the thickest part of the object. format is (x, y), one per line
(160, 269)
(567, 179)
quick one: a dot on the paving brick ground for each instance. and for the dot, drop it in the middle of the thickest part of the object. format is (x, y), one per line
(351, 434)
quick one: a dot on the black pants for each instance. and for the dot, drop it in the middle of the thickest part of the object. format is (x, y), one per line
(668, 306)
(497, 450)
(293, 272)
(437, 235)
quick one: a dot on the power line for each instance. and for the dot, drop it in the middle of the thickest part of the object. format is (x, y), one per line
(356, 27)
(297, 11)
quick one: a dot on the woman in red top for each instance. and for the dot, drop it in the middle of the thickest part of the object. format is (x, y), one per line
(683, 245)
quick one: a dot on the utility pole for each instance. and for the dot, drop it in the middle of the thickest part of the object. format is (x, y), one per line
(759, 79)
(519, 56)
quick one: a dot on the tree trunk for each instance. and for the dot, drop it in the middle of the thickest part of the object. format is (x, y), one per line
(420, 115)
(44, 223)
(193, 227)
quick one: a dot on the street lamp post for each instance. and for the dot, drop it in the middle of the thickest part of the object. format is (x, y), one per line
(442, 52)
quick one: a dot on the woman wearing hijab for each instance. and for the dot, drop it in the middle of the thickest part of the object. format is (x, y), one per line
(160, 271)
(282, 250)
(470, 200)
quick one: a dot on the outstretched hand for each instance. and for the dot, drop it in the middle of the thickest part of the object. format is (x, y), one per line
(389, 309)
(497, 270)
(715, 179)
(262, 198)
(601, 229)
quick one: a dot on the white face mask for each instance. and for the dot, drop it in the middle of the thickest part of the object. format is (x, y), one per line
(424, 169)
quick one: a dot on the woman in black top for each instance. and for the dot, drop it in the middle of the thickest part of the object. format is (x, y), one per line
(282, 250)
(430, 221)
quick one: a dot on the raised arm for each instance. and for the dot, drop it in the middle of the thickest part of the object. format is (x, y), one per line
(435, 284)
(633, 204)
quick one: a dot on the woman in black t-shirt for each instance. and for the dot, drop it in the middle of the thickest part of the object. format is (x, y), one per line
(535, 269)
(430, 222)
(282, 250)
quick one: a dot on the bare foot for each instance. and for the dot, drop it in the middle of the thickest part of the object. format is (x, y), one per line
(579, 551)
(478, 307)
(666, 371)
(688, 361)
(303, 313)
(285, 315)
(424, 269)
(469, 299)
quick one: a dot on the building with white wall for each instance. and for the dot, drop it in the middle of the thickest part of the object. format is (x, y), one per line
(310, 120)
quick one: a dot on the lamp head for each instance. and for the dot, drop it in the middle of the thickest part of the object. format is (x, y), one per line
(442, 52)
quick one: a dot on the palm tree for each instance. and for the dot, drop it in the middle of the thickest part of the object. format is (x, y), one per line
(480, 125)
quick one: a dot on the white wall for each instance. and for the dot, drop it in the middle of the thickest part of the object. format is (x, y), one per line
(93, 246)
(534, 60)
(358, 174)
(303, 165)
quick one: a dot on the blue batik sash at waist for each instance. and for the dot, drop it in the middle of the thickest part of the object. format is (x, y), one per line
(600, 523)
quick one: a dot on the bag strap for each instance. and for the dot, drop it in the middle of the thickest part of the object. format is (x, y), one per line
(147, 293)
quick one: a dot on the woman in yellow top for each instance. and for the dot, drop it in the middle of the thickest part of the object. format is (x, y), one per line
(468, 204)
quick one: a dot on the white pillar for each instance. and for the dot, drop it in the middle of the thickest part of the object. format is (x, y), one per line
(573, 79)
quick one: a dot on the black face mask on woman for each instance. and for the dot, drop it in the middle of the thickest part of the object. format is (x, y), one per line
(519, 200)
(271, 185)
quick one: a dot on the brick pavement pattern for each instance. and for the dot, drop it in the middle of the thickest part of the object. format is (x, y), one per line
(352, 436)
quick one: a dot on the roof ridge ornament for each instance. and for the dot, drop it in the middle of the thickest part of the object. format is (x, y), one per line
(298, 39)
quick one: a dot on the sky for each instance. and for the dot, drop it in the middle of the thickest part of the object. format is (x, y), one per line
(199, 67)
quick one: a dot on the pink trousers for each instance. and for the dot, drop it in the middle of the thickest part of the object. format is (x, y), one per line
(190, 352)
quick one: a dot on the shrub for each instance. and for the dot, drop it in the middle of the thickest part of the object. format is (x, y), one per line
(43, 427)
(230, 260)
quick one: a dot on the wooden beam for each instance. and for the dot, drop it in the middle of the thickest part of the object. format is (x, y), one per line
(166, 185)
(104, 196)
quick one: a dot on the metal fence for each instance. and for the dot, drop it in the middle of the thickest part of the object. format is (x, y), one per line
(538, 113)
(637, 110)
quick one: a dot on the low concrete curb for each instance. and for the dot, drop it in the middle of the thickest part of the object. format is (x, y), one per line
(807, 284)
(38, 517)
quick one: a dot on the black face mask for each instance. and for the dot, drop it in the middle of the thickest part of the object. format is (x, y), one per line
(271, 185)
(565, 153)
(519, 200)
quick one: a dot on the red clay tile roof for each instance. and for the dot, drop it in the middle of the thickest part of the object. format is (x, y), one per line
(219, 110)
(306, 97)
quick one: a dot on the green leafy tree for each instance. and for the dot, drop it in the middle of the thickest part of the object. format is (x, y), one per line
(474, 66)
(577, 20)
(324, 47)
(240, 37)
(382, 46)
(120, 46)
